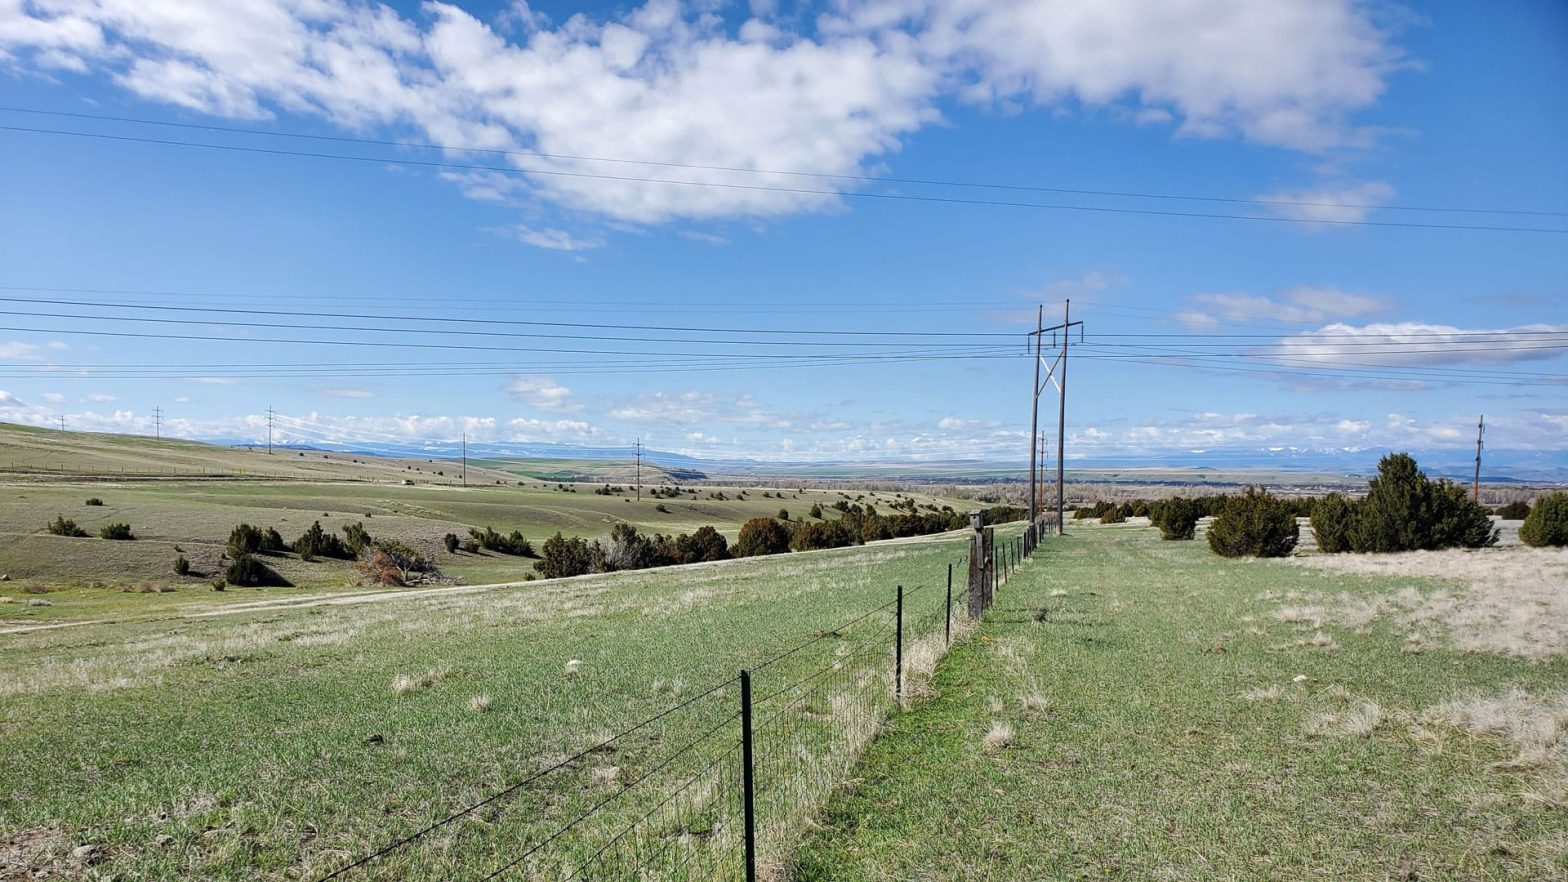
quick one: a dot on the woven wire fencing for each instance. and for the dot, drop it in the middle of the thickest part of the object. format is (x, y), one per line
(718, 786)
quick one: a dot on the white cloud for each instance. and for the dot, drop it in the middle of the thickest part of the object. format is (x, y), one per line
(347, 392)
(676, 84)
(98, 398)
(690, 408)
(1285, 73)
(217, 381)
(54, 397)
(555, 240)
(1305, 304)
(1351, 202)
(1419, 344)
(542, 392)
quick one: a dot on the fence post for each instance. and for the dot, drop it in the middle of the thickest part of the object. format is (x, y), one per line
(748, 779)
(976, 581)
(898, 655)
(947, 623)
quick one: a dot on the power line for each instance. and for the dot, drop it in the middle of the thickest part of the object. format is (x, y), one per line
(503, 322)
(800, 191)
(932, 182)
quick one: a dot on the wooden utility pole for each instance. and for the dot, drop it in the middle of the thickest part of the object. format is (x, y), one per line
(465, 459)
(639, 469)
(1475, 483)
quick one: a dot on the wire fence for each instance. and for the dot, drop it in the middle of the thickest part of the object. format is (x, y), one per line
(720, 785)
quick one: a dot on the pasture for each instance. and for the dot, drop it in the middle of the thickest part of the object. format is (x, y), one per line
(81, 578)
(278, 743)
(1138, 709)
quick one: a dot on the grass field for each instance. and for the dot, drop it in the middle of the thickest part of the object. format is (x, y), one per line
(78, 578)
(1138, 709)
(278, 743)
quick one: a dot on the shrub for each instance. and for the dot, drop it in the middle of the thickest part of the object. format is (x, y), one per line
(514, 544)
(661, 508)
(829, 534)
(628, 549)
(182, 567)
(1114, 516)
(317, 542)
(356, 538)
(93, 500)
(816, 510)
(248, 571)
(392, 563)
(564, 557)
(1405, 511)
(1547, 523)
(783, 514)
(116, 531)
(1256, 524)
(704, 545)
(62, 527)
(450, 541)
(1177, 518)
(245, 539)
(1514, 511)
(760, 536)
(1332, 520)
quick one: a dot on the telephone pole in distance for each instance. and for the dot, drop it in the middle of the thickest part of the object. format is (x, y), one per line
(1475, 483)
(157, 423)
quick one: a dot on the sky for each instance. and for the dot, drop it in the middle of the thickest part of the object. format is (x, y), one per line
(1303, 224)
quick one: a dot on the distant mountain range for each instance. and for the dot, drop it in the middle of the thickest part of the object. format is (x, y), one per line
(1498, 466)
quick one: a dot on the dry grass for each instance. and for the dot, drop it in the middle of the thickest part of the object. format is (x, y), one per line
(999, 737)
(1359, 721)
(1507, 601)
(573, 667)
(1536, 726)
(1263, 693)
(403, 684)
(479, 704)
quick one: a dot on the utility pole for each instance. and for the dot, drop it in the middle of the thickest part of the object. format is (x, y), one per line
(62, 422)
(1061, 421)
(270, 415)
(157, 423)
(1034, 423)
(639, 469)
(1056, 375)
(465, 459)
(1475, 483)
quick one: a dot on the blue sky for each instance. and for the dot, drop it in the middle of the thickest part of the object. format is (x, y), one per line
(1359, 332)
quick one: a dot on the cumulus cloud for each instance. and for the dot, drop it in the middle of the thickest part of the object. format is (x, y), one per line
(680, 85)
(542, 392)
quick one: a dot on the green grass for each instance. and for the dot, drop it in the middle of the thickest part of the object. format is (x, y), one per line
(1135, 754)
(241, 746)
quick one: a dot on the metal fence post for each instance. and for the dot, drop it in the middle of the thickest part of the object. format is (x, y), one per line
(898, 655)
(748, 779)
(947, 624)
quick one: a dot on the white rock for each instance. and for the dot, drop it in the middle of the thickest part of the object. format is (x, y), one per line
(1299, 678)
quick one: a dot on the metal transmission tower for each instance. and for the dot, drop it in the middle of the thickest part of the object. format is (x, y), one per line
(270, 414)
(639, 469)
(1475, 483)
(157, 423)
(1056, 375)
(62, 422)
